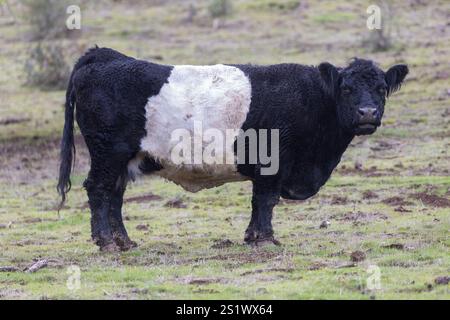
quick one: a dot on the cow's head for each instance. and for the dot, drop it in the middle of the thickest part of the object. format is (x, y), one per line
(360, 91)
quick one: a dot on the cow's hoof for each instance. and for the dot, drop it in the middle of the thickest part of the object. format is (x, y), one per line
(128, 245)
(257, 239)
(250, 236)
(267, 242)
(110, 247)
(124, 243)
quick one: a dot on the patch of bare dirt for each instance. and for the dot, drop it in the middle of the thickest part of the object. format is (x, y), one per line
(442, 75)
(8, 121)
(249, 257)
(317, 266)
(175, 203)
(267, 270)
(221, 244)
(38, 220)
(402, 209)
(144, 198)
(337, 254)
(332, 264)
(399, 165)
(384, 145)
(401, 264)
(9, 269)
(361, 216)
(339, 200)
(398, 246)
(345, 265)
(10, 293)
(6, 225)
(432, 200)
(440, 134)
(369, 172)
(142, 227)
(203, 281)
(442, 280)
(357, 256)
(203, 290)
(370, 195)
(139, 291)
(32, 220)
(290, 201)
(396, 201)
(28, 160)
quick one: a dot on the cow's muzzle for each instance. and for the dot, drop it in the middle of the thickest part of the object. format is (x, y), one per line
(368, 121)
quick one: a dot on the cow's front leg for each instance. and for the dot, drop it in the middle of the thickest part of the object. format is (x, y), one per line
(266, 194)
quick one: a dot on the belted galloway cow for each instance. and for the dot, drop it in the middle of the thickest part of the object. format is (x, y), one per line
(134, 116)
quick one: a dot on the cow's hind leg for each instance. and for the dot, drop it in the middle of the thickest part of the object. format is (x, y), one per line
(101, 186)
(119, 232)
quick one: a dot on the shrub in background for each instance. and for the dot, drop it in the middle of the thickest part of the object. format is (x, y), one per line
(219, 8)
(47, 18)
(46, 67)
(378, 40)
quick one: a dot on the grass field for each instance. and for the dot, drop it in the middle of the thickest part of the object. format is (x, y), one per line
(388, 202)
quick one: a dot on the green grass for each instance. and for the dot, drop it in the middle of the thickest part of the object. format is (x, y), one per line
(177, 257)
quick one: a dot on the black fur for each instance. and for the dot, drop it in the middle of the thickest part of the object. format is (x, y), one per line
(317, 111)
(395, 77)
(317, 118)
(67, 146)
(110, 91)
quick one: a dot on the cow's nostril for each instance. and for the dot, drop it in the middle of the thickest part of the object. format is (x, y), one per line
(367, 113)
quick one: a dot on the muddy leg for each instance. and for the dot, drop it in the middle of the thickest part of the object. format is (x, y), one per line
(250, 231)
(99, 202)
(266, 193)
(101, 186)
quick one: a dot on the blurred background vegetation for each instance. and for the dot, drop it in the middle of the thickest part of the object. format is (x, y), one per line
(35, 39)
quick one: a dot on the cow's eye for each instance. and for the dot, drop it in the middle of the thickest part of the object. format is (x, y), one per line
(382, 90)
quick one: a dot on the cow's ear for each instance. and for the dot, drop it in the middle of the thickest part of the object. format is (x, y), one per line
(330, 75)
(394, 77)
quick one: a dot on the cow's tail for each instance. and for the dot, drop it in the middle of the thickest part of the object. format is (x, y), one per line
(67, 145)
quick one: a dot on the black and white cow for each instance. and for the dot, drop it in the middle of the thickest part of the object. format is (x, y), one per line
(127, 110)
